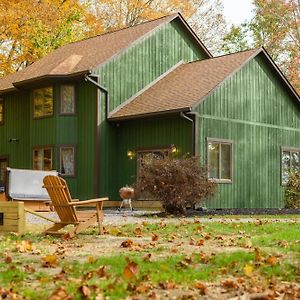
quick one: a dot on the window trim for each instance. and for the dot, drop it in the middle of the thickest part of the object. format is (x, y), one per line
(3, 108)
(220, 141)
(287, 149)
(60, 100)
(59, 157)
(53, 104)
(44, 148)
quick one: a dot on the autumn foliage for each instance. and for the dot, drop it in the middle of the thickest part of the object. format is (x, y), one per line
(176, 182)
(292, 191)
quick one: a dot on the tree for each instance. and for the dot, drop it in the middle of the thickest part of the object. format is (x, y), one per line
(276, 26)
(30, 29)
(205, 16)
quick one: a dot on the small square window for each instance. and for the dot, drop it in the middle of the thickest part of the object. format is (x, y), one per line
(67, 99)
(219, 157)
(42, 159)
(1, 112)
(67, 161)
(43, 102)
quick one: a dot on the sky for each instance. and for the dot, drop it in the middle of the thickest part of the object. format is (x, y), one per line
(237, 11)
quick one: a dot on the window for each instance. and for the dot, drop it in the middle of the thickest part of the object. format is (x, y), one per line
(1, 112)
(43, 102)
(290, 162)
(42, 159)
(144, 156)
(219, 158)
(67, 161)
(3, 166)
(67, 99)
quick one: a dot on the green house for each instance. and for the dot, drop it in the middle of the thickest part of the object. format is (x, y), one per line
(95, 109)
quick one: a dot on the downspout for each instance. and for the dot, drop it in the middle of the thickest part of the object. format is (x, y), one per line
(89, 77)
(194, 129)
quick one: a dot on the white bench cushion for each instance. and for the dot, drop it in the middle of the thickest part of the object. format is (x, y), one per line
(27, 184)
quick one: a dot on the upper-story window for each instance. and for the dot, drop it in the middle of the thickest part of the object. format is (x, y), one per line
(219, 158)
(67, 99)
(290, 162)
(1, 112)
(43, 102)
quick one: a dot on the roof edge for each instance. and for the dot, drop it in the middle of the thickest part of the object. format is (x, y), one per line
(19, 84)
(152, 83)
(172, 17)
(152, 114)
(198, 40)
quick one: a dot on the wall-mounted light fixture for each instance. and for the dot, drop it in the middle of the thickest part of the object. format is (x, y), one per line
(13, 140)
(174, 149)
(130, 154)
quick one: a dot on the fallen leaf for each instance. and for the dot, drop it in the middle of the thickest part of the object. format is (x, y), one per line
(25, 246)
(60, 294)
(138, 231)
(271, 260)
(202, 287)
(167, 285)
(200, 242)
(91, 259)
(7, 258)
(248, 270)
(154, 237)
(258, 256)
(229, 284)
(147, 257)
(29, 269)
(130, 270)
(101, 272)
(49, 261)
(85, 291)
(127, 243)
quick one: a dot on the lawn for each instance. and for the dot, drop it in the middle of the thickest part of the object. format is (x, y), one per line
(183, 258)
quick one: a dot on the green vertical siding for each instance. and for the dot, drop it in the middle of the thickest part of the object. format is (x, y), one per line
(16, 124)
(85, 154)
(148, 133)
(256, 111)
(127, 74)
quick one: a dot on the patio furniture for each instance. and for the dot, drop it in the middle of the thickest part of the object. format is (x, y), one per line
(65, 207)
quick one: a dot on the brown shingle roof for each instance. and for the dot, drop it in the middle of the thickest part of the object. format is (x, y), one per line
(184, 87)
(84, 55)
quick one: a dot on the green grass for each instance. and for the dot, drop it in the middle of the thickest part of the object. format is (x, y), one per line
(223, 259)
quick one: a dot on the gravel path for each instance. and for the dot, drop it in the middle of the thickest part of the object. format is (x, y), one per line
(113, 217)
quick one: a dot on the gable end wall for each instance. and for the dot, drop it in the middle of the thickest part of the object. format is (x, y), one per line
(255, 110)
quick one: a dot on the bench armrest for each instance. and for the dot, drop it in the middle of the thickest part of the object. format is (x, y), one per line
(91, 201)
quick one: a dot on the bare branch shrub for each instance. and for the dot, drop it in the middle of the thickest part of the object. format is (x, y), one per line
(176, 182)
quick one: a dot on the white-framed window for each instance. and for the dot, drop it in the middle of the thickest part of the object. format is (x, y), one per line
(219, 160)
(43, 102)
(67, 99)
(67, 160)
(290, 162)
(42, 158)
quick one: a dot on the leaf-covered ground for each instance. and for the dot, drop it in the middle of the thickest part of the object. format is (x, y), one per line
(168, 259)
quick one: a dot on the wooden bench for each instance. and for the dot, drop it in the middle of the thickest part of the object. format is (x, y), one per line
(27, 186)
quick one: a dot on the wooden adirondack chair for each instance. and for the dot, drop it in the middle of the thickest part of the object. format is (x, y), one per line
(65, 207)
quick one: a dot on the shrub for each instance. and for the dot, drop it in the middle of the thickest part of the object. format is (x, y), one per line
(176, 182)
(292, 191)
